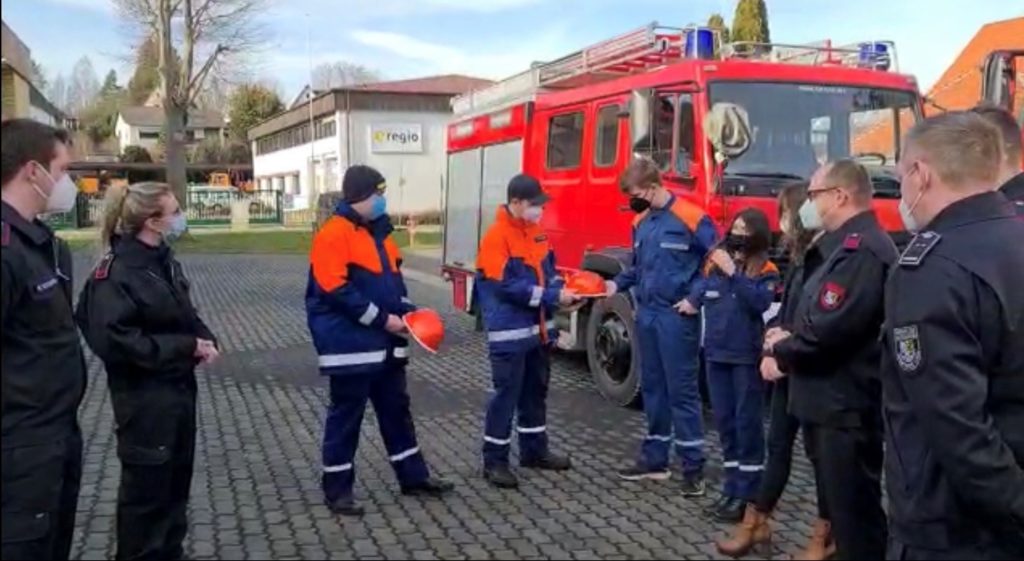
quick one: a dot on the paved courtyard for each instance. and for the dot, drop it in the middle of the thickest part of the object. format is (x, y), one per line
(256, 491)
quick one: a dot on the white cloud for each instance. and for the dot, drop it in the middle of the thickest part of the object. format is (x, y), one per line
(488, 61)
(487, 6)
(104, 6)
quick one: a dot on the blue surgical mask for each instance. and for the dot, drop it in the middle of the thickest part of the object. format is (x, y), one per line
(379, 208)
(177, 225)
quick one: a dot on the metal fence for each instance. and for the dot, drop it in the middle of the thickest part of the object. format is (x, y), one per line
(216, 207)
(204, 208)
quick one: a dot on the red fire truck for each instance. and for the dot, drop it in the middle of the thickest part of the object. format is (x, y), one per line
(729, 125)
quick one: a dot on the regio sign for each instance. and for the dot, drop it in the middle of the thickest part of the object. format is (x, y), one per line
(396, 138)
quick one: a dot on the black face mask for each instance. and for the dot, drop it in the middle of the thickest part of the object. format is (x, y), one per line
(737, 244)
(639, 204)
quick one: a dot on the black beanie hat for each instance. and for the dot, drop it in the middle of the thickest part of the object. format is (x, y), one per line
(360, 183)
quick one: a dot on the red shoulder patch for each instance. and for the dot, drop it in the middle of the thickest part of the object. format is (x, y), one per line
(852, 241)
(5, 236)
(832, 296)
(103, 269)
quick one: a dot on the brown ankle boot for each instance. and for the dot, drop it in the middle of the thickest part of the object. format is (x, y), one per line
(753, 532)
(821, 546)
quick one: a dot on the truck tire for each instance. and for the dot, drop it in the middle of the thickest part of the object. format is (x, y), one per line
(612, 352)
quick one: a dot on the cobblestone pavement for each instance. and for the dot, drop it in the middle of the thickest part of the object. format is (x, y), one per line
(256, 491)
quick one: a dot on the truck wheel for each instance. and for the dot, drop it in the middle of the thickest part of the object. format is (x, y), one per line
(612, 352)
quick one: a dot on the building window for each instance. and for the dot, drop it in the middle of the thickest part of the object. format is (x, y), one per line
(149, 135)
(565, 141)
(326, 128)
(607, 140)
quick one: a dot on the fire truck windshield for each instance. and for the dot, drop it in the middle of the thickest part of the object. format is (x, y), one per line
(796, 127)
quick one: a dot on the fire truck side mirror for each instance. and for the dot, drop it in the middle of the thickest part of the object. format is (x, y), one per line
(641, 109)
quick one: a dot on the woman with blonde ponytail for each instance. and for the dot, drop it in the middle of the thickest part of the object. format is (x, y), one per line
(137, 316)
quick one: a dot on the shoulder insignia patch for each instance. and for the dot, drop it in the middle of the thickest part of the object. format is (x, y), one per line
(852, 241)
(832, 296)
(907, 346)
(5, 236)
(918, 249)
(103, 269)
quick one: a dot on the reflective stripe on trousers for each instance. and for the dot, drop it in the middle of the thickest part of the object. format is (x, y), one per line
(360, 359)
(517, 334)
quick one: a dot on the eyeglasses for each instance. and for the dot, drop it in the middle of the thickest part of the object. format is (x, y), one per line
(812, 193)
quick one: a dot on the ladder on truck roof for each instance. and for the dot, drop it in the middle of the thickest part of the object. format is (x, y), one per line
(641, 49)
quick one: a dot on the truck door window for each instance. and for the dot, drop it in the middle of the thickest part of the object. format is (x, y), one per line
(606, 144)
(672, 133)
(687, 137)
(565, 141)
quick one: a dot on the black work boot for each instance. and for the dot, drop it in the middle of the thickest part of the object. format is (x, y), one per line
(694, 487)
(432, 487)
(501, 477)
(345, 506)
(712, 508)
(639, 472)
(548, 462)
(731, 511)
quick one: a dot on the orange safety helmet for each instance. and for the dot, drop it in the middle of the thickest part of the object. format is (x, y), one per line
(426, 327)
(586, 283)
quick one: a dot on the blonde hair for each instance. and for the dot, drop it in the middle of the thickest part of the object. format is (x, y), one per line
(962, 146)
(127, 207)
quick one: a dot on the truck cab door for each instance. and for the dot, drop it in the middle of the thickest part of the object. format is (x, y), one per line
(1000, 79)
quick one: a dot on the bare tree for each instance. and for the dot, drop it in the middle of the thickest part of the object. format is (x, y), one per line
(83, 87)
(342, 73)
(195, 39)
(57, 92)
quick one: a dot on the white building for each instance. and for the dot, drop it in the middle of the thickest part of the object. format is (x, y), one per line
(397, 127)
(21, 98)
(142, 126)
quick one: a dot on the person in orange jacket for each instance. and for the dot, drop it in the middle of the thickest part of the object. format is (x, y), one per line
(355, 299)
(519, 290)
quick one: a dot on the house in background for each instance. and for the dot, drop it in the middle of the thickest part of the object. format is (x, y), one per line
(144, 125)
(399, 127)
(21, 99)
(958, 88)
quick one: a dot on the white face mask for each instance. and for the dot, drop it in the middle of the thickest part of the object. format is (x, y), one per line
(809, 216)
(62, 194)
(533, 214)
(907, 214)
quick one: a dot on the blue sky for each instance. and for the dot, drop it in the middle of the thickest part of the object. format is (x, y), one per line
(496, 38)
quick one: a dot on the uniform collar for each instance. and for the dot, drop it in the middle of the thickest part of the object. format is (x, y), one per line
(1014, 188)
(976, 208)
(504, 216)
(380, 228)
(855, 225)
(668, 205)
(36, 231)
(132, 252)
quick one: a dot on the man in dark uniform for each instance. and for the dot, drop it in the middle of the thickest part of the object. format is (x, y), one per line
(1011, 178)
(953, 364)
(833, 353)
(42, 363)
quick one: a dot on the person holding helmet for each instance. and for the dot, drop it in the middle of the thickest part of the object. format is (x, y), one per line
(355, 300)
(519, 290)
